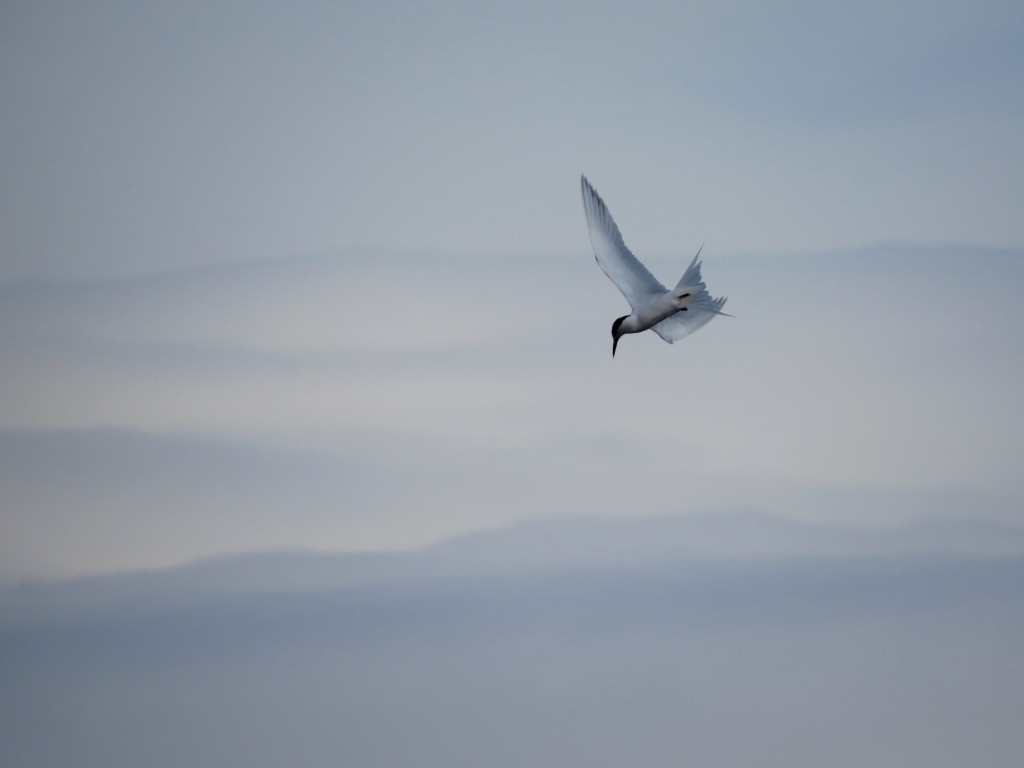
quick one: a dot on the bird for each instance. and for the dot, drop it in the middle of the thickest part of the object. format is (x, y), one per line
(671, 314)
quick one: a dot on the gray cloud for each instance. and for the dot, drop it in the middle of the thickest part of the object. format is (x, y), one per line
(80, 500)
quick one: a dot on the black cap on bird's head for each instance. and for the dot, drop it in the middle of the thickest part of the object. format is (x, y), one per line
(616, 333)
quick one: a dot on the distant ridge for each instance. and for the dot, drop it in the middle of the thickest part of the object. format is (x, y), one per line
(736, 534)
(566, 543)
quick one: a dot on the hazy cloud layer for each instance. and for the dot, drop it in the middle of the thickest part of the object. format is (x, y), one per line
(354, 401)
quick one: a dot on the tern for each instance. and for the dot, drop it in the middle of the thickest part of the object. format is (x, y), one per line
(671, 314)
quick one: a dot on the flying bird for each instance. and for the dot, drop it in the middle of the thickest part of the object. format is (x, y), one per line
(671, 314)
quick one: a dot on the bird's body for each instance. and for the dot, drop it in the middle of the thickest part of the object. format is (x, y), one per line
(672, 314)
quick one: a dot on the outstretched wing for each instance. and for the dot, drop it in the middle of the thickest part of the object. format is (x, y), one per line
(699, 314)
(629, 275)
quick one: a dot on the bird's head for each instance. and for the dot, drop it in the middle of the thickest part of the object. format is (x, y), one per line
(617, 332)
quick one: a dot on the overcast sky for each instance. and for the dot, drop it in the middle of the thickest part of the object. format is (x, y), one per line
(316, 274)
(141, 136)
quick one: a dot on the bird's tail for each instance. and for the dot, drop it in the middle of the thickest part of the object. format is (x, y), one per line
(704, 303)
(692, 283)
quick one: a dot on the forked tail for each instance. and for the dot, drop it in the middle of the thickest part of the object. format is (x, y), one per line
(692, 283)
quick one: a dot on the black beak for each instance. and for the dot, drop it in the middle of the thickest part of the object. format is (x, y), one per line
(615, 343)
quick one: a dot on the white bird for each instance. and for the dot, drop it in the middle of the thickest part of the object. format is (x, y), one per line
(671, 314)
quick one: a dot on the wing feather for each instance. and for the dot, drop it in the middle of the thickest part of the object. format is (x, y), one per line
(622, 267)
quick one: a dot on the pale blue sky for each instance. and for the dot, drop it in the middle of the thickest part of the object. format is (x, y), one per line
(139, 137)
